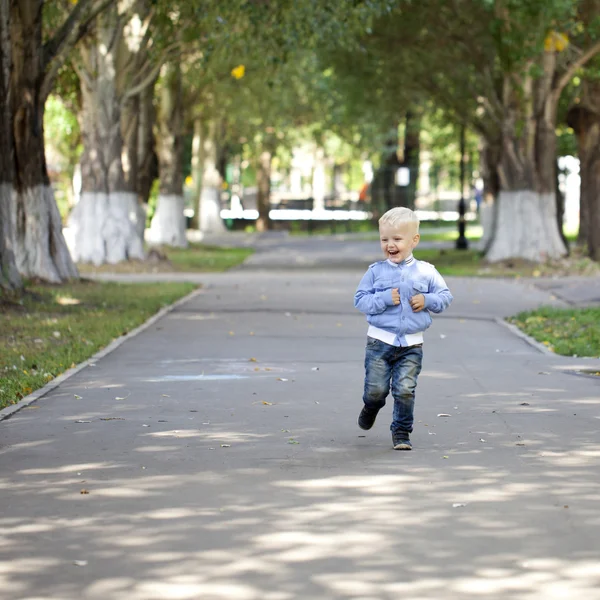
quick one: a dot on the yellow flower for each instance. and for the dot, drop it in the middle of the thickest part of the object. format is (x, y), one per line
(556, 42)
(239, 71)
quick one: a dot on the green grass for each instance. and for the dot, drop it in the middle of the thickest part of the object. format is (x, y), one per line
(472, 233)
(202, 258)
(574, 331)
(196, 258)
(52, 328)
(462, 263)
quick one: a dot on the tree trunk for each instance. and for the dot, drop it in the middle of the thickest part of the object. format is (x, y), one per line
(210, 195)
(526, 221)
(107, 222)
(263, 223)
(40, 248)
(10, 279)
(147, 158)
(489, 156)
(411, 159)
(584, 118)
(196, 173)
(168, 223)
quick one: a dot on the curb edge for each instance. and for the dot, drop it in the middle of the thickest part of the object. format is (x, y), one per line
(7, 412)
(516, 331)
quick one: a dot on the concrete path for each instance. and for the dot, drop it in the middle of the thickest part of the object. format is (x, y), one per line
(216, 457)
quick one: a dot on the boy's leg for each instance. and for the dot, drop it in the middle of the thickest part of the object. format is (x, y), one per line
(377, 380)
(405, 372)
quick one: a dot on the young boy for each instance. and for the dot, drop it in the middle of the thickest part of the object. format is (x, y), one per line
(397, 294)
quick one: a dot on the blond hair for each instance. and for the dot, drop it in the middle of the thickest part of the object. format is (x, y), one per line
(398, 216)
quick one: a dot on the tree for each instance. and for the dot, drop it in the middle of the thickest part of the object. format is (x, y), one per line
(168, 222)
(9, 275)
(115, 65)
(40, 247)
(500, 67)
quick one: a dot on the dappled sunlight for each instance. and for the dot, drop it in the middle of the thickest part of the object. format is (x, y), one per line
(345, 532)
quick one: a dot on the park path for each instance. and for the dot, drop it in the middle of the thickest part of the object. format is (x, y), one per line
(222, 460)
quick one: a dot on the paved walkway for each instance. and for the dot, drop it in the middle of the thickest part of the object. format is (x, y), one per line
(221, 459)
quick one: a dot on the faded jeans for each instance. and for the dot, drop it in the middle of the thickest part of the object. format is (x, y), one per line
(400, 367)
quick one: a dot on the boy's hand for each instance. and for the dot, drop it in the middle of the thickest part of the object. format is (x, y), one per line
(395, 296)
(417, 303)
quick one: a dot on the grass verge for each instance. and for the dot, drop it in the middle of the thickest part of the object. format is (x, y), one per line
(196, 258)
(570, 332)
(52, 328)
(471, 263)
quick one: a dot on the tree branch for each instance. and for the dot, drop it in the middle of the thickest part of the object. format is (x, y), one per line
(76, 25)
(570, 72)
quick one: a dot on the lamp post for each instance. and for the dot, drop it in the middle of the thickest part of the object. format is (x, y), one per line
(462, 243)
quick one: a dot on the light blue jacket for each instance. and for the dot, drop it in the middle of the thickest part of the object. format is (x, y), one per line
(374, 296)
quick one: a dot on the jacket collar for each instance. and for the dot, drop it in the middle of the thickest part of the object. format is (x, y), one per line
(408, 261)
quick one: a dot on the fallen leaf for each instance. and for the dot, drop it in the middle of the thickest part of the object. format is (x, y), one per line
(252, 360)
(166, 396)
(84, 492)
(231, 333)
(445, 457)
(292, 441)
(257, 368)
(267, 403)
(78, 397)
(281, 379)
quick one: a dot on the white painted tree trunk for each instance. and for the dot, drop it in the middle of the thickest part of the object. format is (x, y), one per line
(40, 250)
(9, 275)
(210, 197)
(106, 228)
(526, 228)
(168, 223)
(486, 217)
(210, 209)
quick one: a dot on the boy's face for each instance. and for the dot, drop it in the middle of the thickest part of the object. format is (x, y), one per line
(398, 241)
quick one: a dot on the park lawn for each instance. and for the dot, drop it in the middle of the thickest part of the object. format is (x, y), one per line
(471, 263)
(196, 258)
(570, 332)
(53, 328)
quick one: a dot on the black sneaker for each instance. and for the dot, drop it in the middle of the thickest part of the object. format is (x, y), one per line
(401, 441)
(367, 417)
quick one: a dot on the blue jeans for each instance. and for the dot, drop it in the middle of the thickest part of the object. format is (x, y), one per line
(385, 364)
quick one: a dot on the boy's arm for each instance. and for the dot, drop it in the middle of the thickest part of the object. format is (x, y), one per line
(367, 300)
(438, 298)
